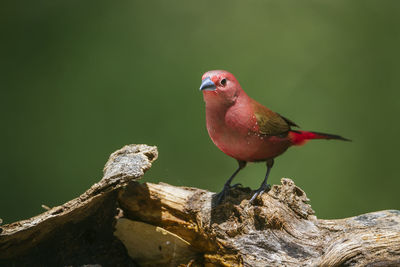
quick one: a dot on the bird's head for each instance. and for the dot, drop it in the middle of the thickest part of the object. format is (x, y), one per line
(220, 86)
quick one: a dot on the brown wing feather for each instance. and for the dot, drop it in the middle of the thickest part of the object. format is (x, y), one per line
(269, 122)
(291, 123)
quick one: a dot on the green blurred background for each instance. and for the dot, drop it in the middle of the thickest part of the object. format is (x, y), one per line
(80, 79)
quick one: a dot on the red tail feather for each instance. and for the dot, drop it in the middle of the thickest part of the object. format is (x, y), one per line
(301, 137)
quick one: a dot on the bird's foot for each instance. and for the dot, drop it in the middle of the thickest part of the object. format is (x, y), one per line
(221, 195)
(259, 192)
(236, 186)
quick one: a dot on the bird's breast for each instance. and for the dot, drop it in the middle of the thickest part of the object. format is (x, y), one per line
(234, 132)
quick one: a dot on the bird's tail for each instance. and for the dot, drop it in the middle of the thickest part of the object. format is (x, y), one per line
(299, 138)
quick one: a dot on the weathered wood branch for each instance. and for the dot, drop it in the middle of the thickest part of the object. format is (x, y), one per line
(122, 222)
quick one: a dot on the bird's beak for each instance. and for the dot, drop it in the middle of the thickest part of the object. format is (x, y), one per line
(207, 85)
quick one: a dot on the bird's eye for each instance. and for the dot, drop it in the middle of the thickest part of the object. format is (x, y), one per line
(223, 82)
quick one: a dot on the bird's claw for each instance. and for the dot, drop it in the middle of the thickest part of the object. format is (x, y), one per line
(236, 185)
(259, 192)
(221, 195)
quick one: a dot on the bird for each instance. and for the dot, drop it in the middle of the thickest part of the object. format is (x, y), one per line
(246, 130)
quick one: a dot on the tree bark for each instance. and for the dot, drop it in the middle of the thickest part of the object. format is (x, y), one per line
(120, 222)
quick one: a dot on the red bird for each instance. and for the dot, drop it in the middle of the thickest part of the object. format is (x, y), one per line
(246, 130)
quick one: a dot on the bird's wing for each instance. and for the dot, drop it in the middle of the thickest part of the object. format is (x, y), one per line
(269, 122)
(291, 123)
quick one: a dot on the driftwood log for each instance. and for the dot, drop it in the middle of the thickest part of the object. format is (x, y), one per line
(120, 222)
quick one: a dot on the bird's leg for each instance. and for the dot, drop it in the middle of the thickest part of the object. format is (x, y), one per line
(264, 186)
(221, 195)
